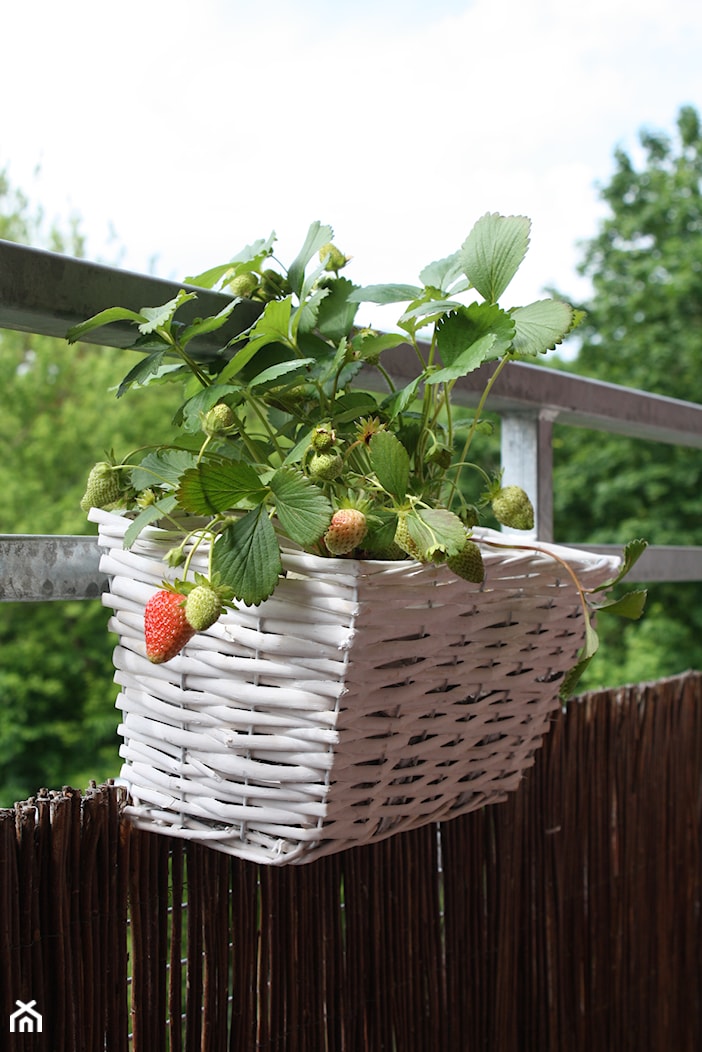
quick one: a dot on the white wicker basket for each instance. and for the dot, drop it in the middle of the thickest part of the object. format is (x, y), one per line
(362, 699)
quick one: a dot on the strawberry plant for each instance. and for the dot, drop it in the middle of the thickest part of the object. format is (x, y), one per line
(296, 432)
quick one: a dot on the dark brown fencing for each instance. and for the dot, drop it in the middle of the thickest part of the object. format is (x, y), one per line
(565, 919)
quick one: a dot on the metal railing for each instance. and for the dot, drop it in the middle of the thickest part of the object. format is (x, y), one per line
(45, 293)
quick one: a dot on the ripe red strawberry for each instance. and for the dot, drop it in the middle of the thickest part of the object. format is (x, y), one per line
(166, 629)
(346, 530)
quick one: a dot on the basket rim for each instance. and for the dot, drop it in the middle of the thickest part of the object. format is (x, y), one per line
(496, 544)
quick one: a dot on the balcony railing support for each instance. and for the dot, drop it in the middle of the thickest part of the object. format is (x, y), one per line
(527, 461)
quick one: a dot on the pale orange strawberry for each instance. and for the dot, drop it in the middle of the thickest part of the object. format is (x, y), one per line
(346, 530)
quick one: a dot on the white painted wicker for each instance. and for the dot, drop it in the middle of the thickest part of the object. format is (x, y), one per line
(362, 699)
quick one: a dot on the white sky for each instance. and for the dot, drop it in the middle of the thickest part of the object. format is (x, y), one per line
(192, 127)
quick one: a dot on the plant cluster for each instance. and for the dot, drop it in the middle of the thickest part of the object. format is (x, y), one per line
(295, 432)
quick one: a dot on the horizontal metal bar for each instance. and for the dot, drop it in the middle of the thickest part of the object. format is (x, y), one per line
(659, 563)
(46, 293)
(564, 398)
(35, 567)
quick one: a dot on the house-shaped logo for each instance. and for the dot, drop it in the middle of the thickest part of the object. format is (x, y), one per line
(25, 1019)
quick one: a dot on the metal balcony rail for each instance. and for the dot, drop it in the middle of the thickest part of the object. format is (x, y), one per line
(45, 293)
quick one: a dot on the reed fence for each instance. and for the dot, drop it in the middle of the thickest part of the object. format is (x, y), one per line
(567, 918)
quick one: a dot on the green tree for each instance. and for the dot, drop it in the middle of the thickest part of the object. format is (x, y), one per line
(57, 717)
(643, 329)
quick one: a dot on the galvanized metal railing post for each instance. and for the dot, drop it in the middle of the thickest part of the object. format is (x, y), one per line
(527, 461)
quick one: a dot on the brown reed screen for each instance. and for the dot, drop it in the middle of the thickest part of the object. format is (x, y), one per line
(567, 918)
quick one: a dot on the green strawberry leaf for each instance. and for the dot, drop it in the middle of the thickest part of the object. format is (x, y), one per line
(210, 277)
(289, 371)
(382, 526)
(273, 326)
(212, 487)
(393, 405)
(318, 235)
(390, 461)
(151, 514)
(541, 326)
(590, 648)
(104, 317)
(493, 252)
(630, 605)
(441, 274)
(336, 311)
(572, 678)
(147, 368)
(631, 555)
(369, 345)
(469, 337)
(302, 509)
(157, 317)
(444, 532)
(427, 309)
(274, 322)
(383, 294)
(461, 329)
(246, 556)
(354, 405)
(204, 325)
(304, 318)
(253, 255)
(162, 468)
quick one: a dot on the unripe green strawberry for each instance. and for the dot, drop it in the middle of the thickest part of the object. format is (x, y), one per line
(326, 466)
(404, 540)
(166, 630)
(244, 285)
(273, 286)
(468, 564)
(323, 438)
(103, 488)
(219, 420)
(512, 508)
(202, 607)
(346, 530)
(336, 259)
(392, 554)
(146, 499)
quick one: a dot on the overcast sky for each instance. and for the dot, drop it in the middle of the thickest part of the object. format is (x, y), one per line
(191, 128)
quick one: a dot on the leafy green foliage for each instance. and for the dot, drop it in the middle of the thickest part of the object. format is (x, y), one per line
(247, 557)
(261, 479)
(643, 328)
(58, 724)
(493, 252)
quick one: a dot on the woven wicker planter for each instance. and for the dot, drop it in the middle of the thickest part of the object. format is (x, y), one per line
(361, 700)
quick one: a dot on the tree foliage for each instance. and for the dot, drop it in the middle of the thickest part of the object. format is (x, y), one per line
(643, 329)
(57, 717)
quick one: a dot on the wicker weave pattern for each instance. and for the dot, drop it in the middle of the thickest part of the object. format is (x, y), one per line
(362, 699)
